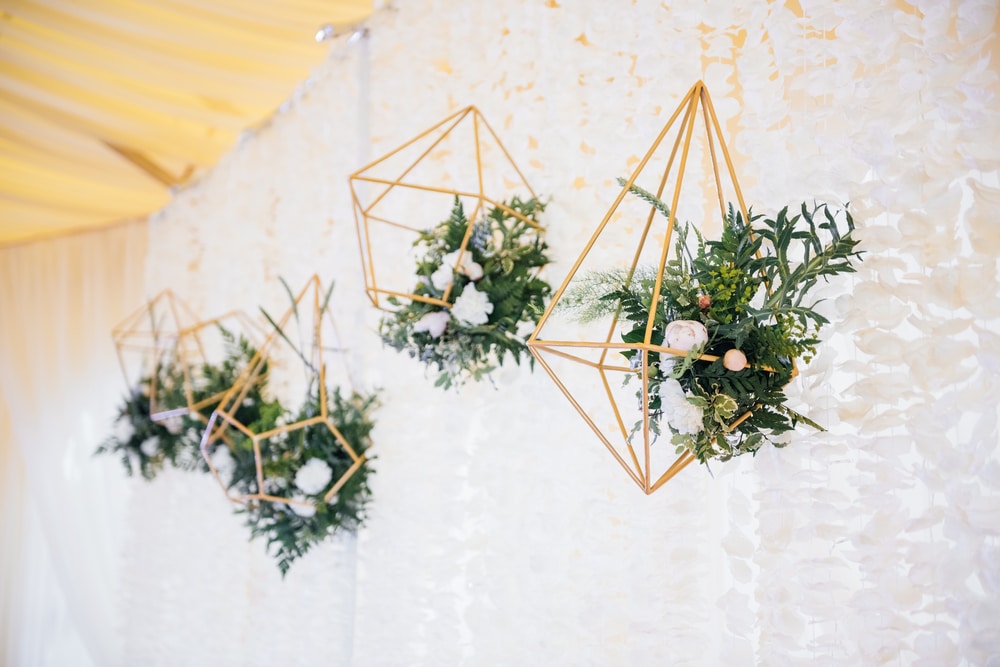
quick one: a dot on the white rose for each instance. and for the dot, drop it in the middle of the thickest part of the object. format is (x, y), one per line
(223, 462)
(150, 446)
(680, 413)
(472, 306)
(433, 323)
(304, 511)
(124, 430)
(472, 269)
(442, 277)
(667, 362)
(685, 334)
(314, 476)
(467, 268)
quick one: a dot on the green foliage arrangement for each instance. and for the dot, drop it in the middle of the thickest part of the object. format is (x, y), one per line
(299, 466)
(147, 446)
(301, 462)
(496, 296)
(743, 300)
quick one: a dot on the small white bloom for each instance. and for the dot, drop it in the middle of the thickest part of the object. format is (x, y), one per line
(442, 277)
(223, 462)
(467, 268)
(314, 476)
(304, 511)
(667, 362)
(685, 334)
(124, 431)
(524, 328)
(274, 486)
(150, 446)
(173, 424)
(472, 306)
(433, 323)
(680, 413)
(333, 499)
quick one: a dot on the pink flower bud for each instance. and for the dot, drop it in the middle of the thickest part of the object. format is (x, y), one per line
(704, 301)
(734, 360)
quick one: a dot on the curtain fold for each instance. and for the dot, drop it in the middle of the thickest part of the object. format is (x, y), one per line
(59, 384)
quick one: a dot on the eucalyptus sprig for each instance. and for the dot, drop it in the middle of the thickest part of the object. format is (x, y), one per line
(743, 299)
(495, 294)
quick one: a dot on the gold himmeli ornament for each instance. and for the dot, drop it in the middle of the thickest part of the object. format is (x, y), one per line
(585, 362)
(168, 339)
(413, 188)
(309, 314)
(145, 342)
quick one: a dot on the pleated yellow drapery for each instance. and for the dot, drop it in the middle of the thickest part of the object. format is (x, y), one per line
(105, 105)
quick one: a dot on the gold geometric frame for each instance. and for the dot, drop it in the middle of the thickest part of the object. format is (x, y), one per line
(189, 357)
(224, 416)
(143, 332)
(696, 105)
(184, 345)
(367, 214)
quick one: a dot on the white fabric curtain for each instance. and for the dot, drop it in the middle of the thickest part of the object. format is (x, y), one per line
(62, 508)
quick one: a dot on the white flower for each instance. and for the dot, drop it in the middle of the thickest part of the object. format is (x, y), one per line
(274, 486)
(680, 413)
(667, 362)
(313, 477)
(433, 323)
(472, 306)
(223, 462)
(467, 268)
(150, 446)
(734, 360)
(442, 277)
(685, 334)
(124, 430)
(304, 511)
(173, 424)
(524, 328)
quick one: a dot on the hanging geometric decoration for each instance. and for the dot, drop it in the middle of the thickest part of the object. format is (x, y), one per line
(176, 372)
(411, 188)
(299, 472)
(451, 248)
(145, 343)
(675, 347)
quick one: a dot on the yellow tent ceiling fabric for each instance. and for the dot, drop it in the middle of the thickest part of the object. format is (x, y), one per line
(106, 104)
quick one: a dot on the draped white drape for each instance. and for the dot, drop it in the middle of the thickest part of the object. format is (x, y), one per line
(59, 382)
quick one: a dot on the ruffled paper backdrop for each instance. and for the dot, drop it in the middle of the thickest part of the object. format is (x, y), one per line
(501, 532)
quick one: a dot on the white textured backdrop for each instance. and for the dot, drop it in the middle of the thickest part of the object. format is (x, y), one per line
(501, 532)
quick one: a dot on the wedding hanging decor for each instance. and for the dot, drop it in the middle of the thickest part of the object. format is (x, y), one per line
(712, 335)
(147, 445)
(298, 476)
(476, 293)
(183, 370)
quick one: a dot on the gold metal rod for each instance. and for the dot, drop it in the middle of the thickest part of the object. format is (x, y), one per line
(604, 223)
(590, 422)
(506, 153)
(681, 463)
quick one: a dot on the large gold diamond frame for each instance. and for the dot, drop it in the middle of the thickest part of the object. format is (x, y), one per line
(696, 106)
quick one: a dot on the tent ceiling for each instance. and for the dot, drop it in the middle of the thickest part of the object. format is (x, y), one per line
(106, 104)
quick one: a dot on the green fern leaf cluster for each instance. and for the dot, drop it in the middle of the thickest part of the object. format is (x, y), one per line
(749, 290)
(510, 252)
